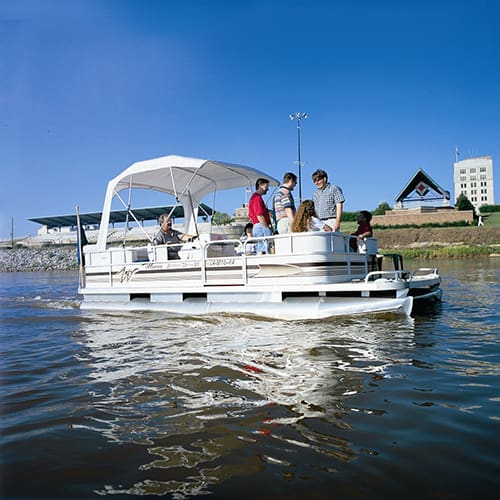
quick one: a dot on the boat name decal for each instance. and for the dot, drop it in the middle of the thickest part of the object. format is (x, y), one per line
(221, 262)
(125, 275)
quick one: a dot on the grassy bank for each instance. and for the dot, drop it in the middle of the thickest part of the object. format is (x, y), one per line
(451, 252)
(440, 242)
(490, 220)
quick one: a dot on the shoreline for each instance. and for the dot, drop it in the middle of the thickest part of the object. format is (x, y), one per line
(55, 258)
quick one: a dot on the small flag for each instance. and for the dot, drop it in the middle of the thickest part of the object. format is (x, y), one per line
(81, 240)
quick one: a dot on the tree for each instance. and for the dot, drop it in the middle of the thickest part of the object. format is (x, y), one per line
(221, 219)
(463, 203)
(382, 208)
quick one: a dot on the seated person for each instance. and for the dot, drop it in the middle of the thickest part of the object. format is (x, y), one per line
(364, 229)
(249, 248)
(168, 236)
(306, 219)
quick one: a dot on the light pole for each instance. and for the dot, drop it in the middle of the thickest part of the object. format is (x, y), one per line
(299, 117)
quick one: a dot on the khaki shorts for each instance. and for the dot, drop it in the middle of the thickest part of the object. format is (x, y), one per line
(330, 222)
(284, 226)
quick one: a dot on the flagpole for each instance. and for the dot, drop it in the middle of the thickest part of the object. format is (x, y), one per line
(80, 248)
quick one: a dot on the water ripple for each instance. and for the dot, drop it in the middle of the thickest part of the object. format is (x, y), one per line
(155, 404)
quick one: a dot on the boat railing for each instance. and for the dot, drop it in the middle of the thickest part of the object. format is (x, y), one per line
(310, 242)
(205, 248)
(393, 275)
(425, 271)
(292, 243)
(313, 242)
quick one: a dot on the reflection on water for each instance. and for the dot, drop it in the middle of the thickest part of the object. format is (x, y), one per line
(105, 404)
(229, 383)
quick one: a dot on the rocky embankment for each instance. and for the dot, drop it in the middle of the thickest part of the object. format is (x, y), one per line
(55, 258)
(63, 258)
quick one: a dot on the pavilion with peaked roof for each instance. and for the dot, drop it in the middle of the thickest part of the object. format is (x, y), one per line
(422, 201)
(422, 190)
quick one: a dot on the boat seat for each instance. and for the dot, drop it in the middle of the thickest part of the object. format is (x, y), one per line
(157, 253)
(370, 246)
(140, 255)
(191, 250)
(310, 242)
(206, 237)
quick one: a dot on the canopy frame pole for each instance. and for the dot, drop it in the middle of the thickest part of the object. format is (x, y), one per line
(192, 212)
(128, 212)
(135, 218)
(173, 183)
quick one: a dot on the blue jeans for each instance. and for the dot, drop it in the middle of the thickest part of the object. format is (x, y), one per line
(258, 231)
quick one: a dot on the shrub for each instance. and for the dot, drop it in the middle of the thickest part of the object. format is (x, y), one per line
(490, 208)
(381, 209)
(349, 216)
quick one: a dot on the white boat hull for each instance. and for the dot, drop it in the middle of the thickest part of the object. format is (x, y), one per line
(311, 275)
(286, 287)
(306, 308)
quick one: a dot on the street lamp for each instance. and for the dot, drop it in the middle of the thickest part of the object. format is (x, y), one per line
(299, 117)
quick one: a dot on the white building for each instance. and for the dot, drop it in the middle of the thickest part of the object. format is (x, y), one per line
(474, 178)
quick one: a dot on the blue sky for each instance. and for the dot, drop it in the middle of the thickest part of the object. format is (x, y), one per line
(89, 87)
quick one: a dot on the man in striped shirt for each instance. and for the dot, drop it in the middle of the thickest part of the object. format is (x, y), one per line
(328, 200)
(284, 204)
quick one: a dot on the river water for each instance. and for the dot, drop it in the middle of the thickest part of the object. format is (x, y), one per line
(121, 405)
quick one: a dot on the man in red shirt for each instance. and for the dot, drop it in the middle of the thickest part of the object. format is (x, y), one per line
(259, 215)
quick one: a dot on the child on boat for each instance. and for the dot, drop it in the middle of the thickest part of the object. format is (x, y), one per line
(249, 248)
(364, 230)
